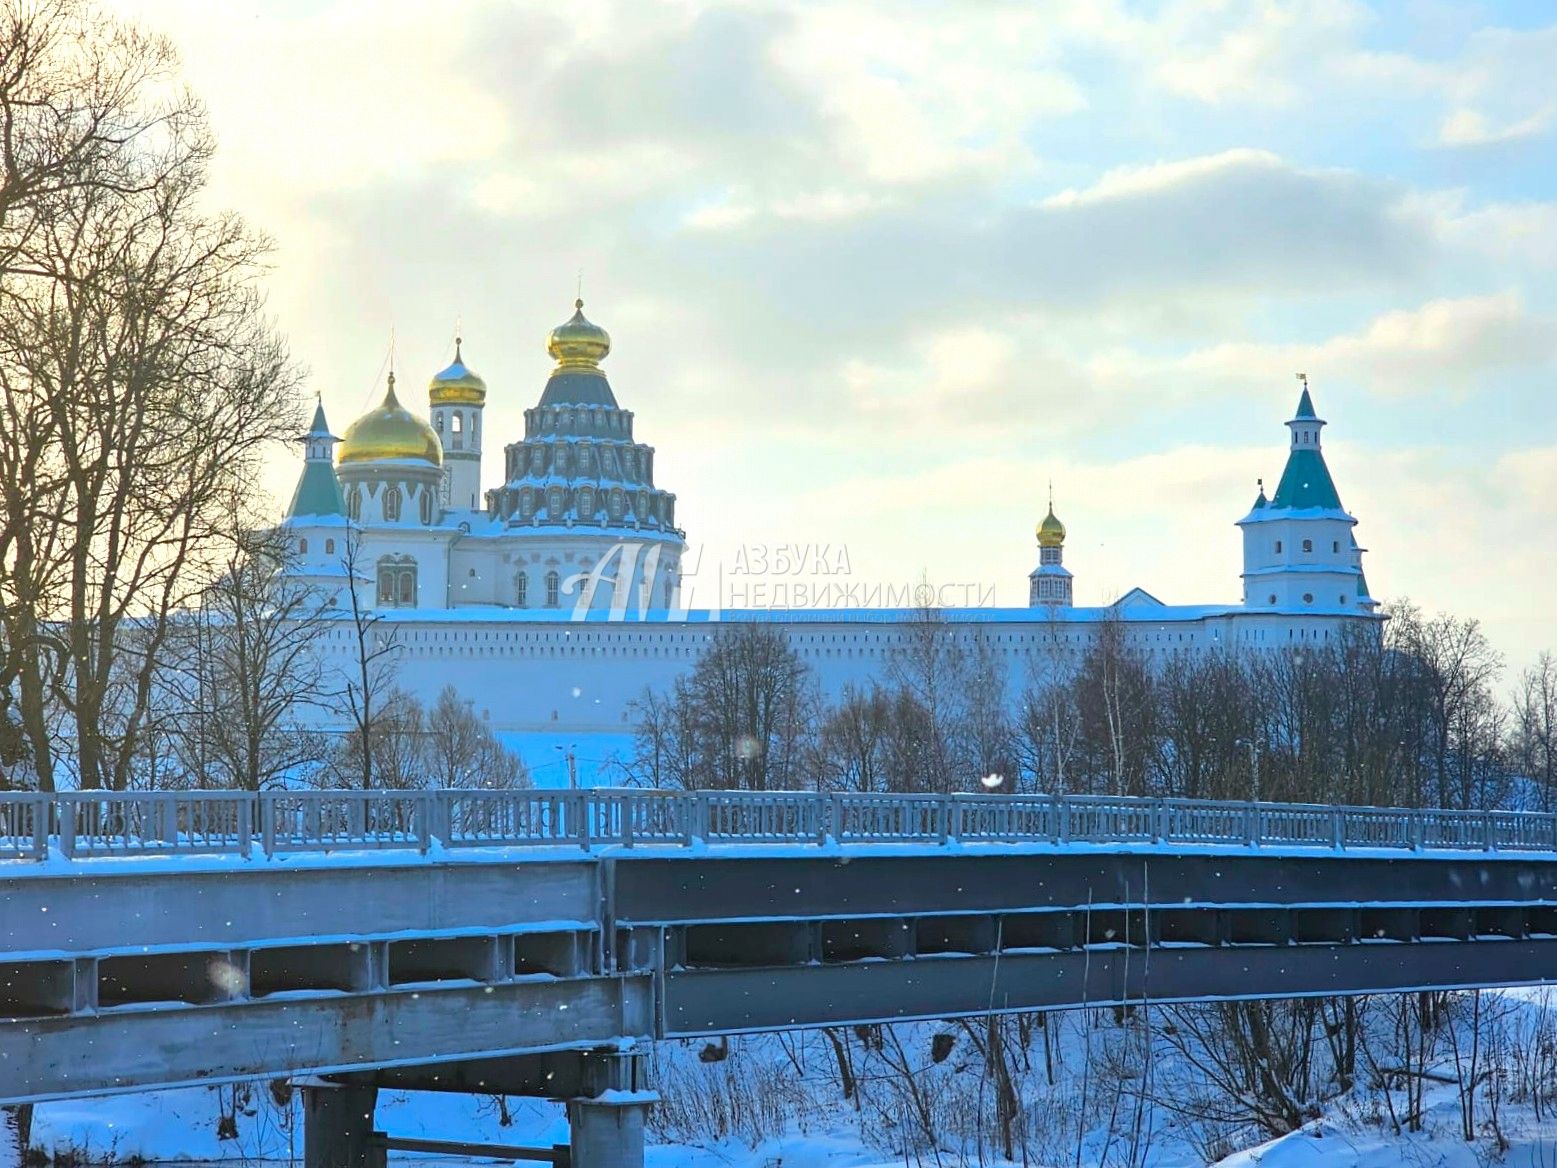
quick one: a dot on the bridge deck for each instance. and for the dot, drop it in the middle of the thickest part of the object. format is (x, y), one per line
(122, 968)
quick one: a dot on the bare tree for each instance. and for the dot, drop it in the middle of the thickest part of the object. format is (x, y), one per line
(371, 680)
(461, 750)
(1535, 712)
(140, 382)
(86, 103)
(246, 671)
(852, 742)
(744, 719)
(1118, 711)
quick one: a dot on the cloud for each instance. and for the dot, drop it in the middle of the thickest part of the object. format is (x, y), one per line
(1468, 127)
(1447, 344)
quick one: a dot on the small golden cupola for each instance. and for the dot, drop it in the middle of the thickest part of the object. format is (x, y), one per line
(1051, 532)
(390, 432)
(458, 385)
(579, 345)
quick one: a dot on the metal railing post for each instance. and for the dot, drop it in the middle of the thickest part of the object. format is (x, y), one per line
(67, 828)
(41, 808)
(267, 814)
(166, 817)
(421, 810)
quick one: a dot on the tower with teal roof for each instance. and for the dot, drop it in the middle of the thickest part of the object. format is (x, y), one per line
(1299, 551)
(316, 526)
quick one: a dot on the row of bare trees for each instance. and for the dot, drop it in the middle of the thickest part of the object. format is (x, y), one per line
(1407, 715)
(140, 380)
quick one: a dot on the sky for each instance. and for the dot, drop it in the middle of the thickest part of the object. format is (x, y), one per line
(876, 273)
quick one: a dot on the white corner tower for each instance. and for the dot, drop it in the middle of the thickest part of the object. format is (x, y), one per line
(1049, 584)
(457, 396)
(1299, 553)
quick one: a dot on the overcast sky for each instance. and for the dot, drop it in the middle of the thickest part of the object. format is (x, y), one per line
(875, 273)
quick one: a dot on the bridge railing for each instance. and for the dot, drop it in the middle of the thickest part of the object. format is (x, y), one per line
(86, 823)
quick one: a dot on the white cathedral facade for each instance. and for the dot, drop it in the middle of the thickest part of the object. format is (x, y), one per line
(553, 600)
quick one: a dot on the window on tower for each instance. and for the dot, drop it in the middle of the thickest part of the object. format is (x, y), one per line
(553, 589)
(302, 547)
(397, 582)
(1278, 547)
(1308, 545)
(391, 504)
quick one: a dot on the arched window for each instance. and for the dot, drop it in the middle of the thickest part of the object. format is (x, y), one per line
(670, 589)
(354, 503)
(397, 582)
(1308, 545)
(427, 510)
(553, 589)
(302, 547)
(391, 504)
(522, 590)
(457, 423)
(329, 547)
(1278, 547)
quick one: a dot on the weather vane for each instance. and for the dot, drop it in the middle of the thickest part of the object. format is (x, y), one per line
(1303, 377)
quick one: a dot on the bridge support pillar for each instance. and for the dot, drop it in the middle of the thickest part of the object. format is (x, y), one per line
(607, 1126)
(338, 1127)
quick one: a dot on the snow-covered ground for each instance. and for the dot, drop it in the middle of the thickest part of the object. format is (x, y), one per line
(1093, 1092)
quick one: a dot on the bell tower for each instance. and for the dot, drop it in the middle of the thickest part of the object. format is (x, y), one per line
(457, 396)
(1049, 585)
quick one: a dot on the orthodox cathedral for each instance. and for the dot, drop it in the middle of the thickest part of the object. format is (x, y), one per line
(553, 600)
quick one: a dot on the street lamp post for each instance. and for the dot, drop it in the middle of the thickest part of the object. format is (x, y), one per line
(572, 761)
(1254, 766)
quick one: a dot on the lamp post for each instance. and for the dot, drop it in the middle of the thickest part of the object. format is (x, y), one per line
(572, 761)
(1254, 766)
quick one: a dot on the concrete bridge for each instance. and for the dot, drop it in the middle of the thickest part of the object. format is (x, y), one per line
(536, 942)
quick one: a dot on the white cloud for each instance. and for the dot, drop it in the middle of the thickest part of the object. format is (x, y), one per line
(1447, 344)
(1134, 182)
(1468, 127)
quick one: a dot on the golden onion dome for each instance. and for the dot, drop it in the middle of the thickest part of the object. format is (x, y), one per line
(578, 345)
(458, 385)
(1051, 532)
(391, 431)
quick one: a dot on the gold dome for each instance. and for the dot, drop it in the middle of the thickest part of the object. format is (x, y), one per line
(578, 345)
(457, 385)
(391, 431)
(1051, 532)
